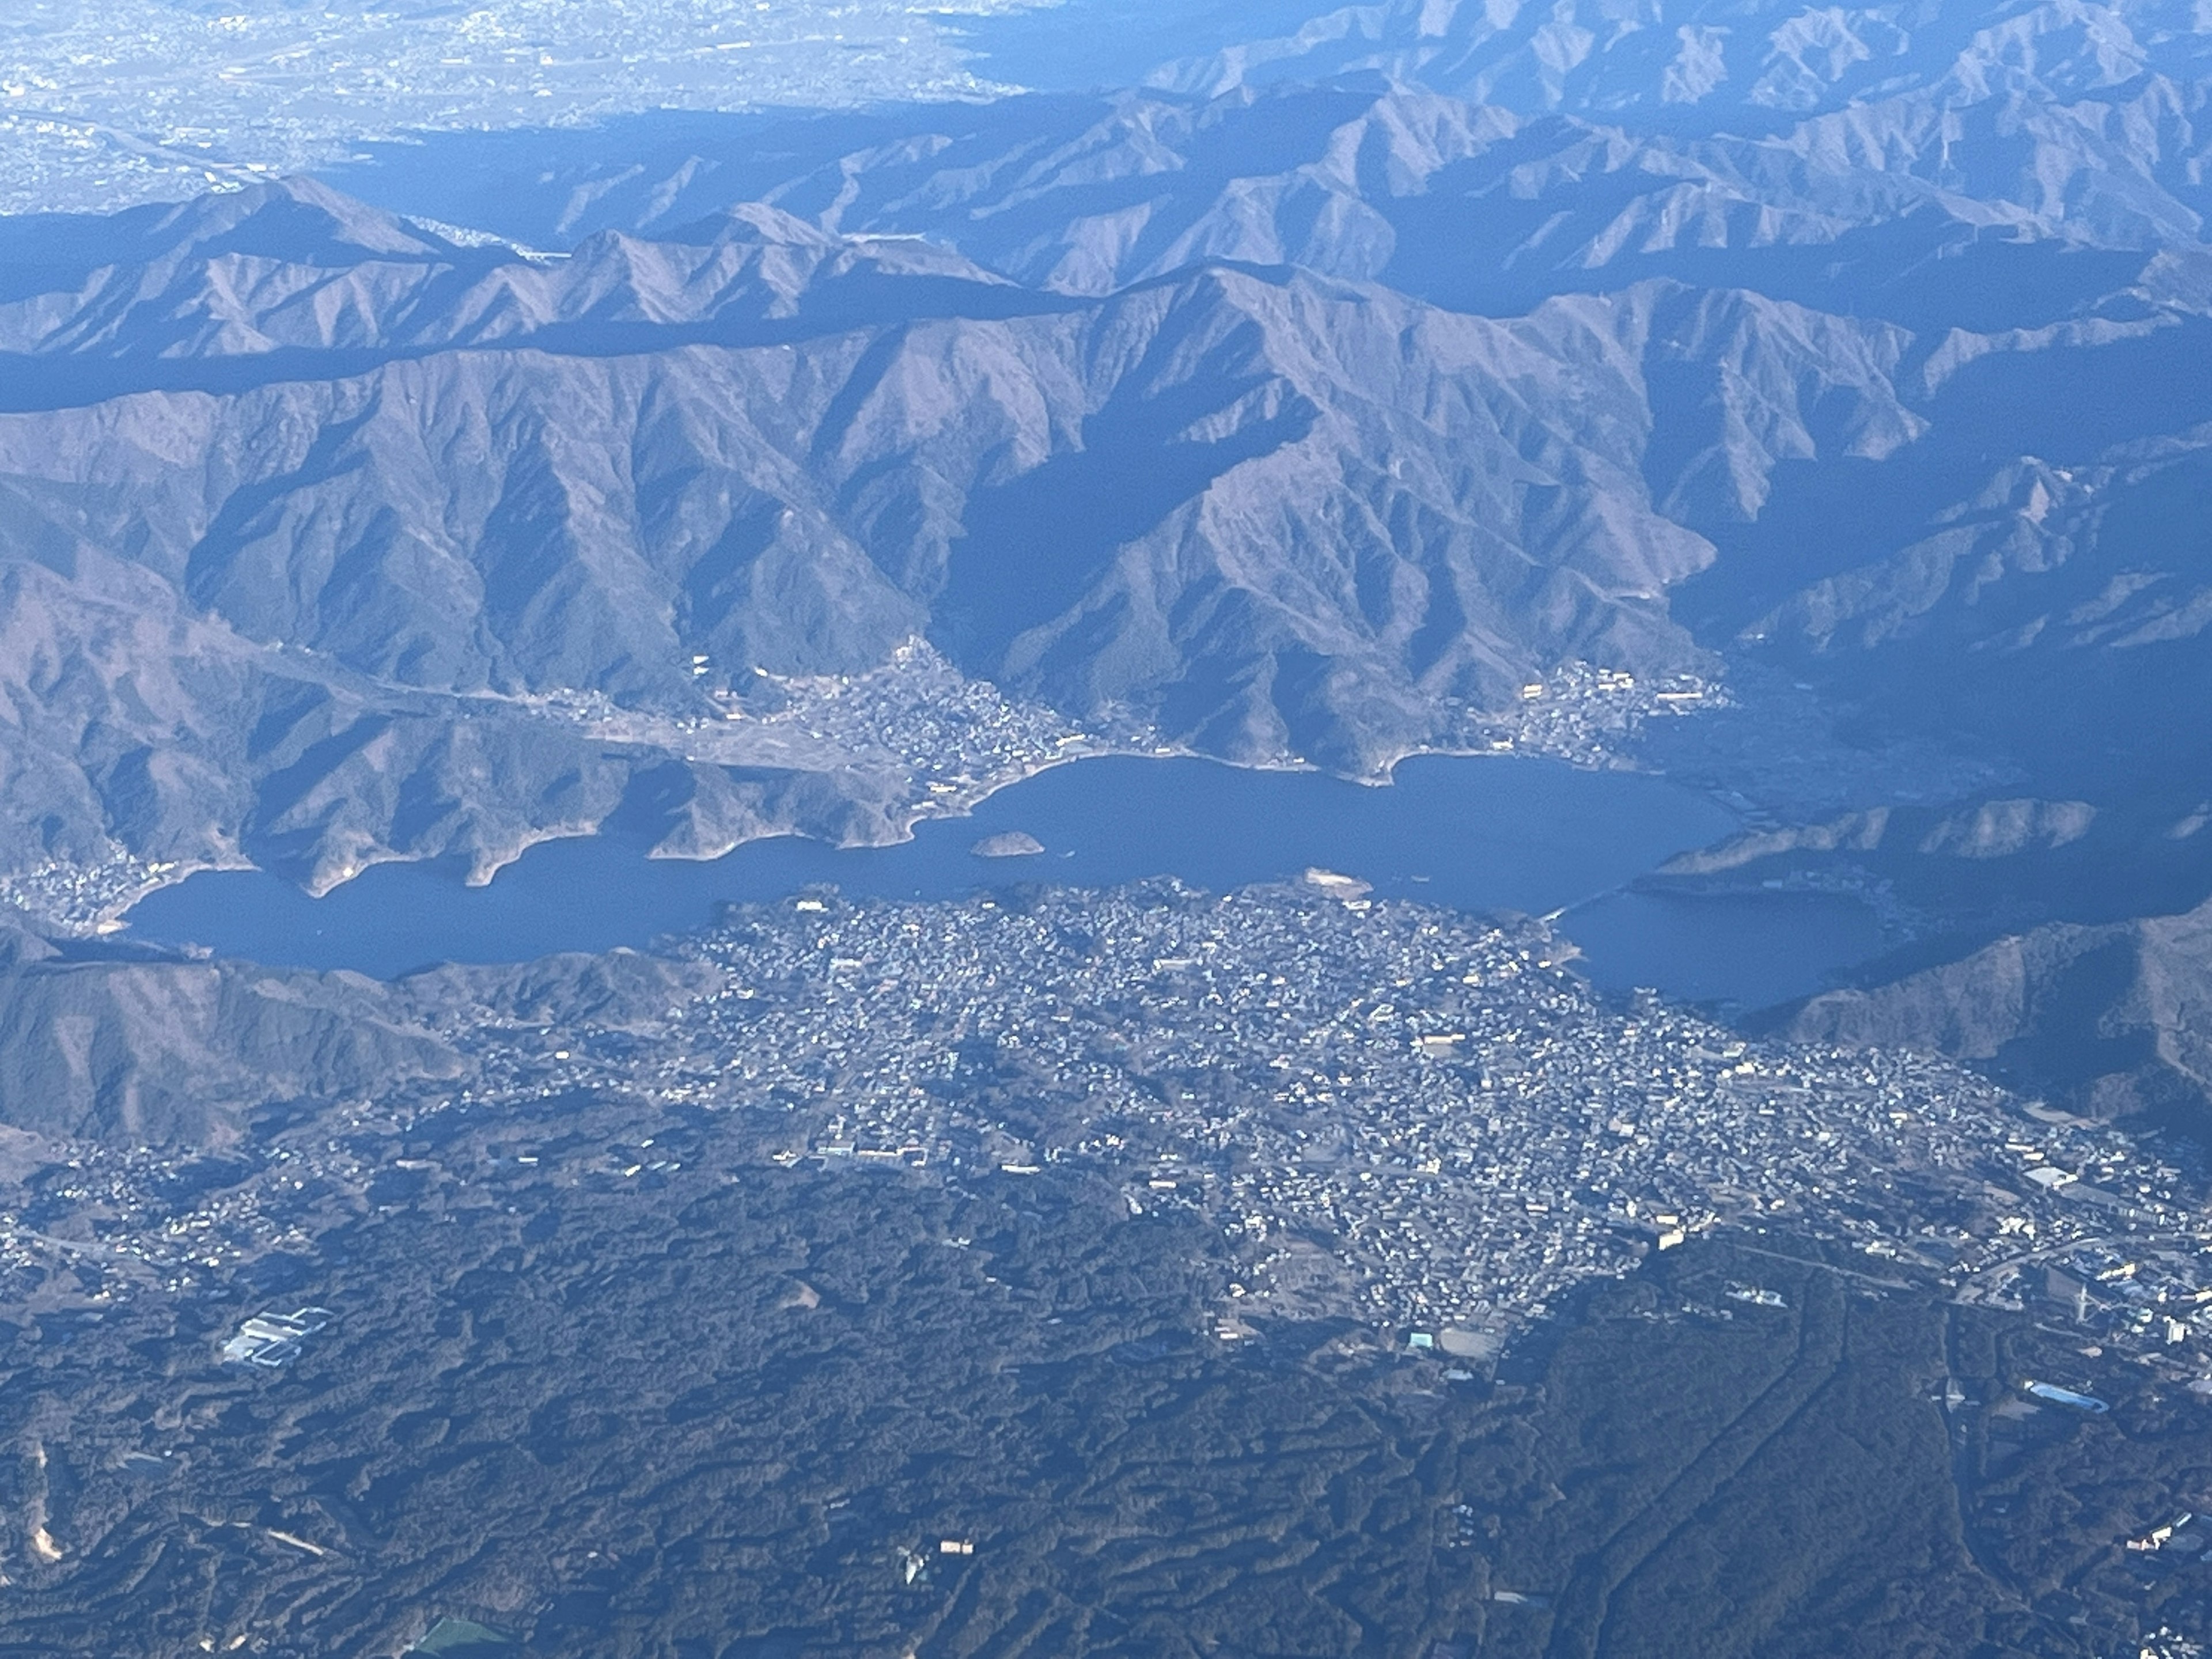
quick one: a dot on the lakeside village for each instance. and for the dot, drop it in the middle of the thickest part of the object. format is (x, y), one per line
(1389, 1111)
(953, 740)
(958, 739)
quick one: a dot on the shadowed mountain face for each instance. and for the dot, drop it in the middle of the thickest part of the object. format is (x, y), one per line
(2062, 608)
(2108, 1020)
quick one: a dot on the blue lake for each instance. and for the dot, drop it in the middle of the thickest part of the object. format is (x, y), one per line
(1477, 834)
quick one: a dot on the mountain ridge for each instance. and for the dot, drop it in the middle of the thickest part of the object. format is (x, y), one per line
(1301, 407)
(1359, 505)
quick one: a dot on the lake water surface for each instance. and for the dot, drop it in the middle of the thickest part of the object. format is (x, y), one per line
(1475, 834)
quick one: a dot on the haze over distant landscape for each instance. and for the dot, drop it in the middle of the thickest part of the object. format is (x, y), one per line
(1745, 468)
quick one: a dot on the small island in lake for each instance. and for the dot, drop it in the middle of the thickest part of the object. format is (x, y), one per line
(1008, 844)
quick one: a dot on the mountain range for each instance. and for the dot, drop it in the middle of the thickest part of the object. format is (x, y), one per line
(1300, 405)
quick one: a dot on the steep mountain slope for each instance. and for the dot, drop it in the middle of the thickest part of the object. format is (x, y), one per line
(2060, 611)
(404, 547)
(2103, 1020)
(1709, 62)
(393, 506)
(146, 1052)
(264, 505)
(1479, 206)
(153, 1053)
(298, 267)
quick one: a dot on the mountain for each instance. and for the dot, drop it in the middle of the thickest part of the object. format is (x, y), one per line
(1704, 63)
(142, 1053)
(2102, 1020)
(375, 518)
(1477, 206)
(2015, 584)
(136, 1051)
(141, 732)
(298, 267)
(416, 544)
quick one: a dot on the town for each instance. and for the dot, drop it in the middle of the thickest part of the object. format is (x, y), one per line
(947, 740)
(1382, 1110)
(1584, 714)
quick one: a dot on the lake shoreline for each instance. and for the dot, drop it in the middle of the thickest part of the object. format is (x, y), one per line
(1476, 833)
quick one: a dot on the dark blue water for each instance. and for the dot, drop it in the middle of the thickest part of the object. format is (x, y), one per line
(1475, 834)
(1752, 949)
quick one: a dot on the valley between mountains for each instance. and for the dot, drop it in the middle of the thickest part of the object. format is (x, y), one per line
(720, 477)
